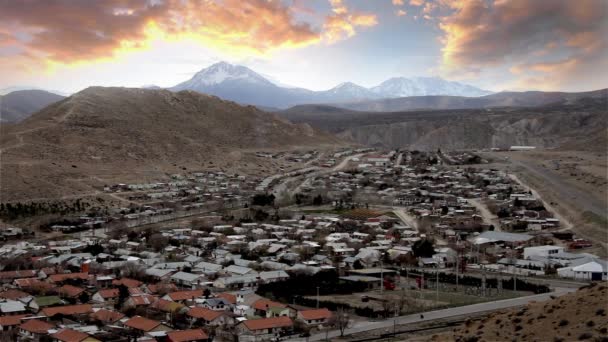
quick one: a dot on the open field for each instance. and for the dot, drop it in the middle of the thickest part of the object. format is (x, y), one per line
(574, 184)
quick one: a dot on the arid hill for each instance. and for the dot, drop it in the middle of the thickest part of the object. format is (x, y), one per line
(579, 124)
(104, 134)
(578, 316)
(503, 99)
(18, 105)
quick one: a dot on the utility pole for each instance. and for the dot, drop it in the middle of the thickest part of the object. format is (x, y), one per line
(457, 266)
(381, 276)
(437, 288)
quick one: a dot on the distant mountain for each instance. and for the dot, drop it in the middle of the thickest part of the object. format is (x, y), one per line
(568, 121)
(132, 133)
(425, 86)
(503, 99)
(18, 105)
(245, 86)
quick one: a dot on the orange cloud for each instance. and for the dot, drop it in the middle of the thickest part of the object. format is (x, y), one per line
(401, 13)
(398, 2)
(525, 37)
(416, 2)
(343, 24)
(69, 32)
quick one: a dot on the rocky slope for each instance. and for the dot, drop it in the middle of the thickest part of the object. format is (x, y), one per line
(121, 132)
(503, 99)
(557, 125)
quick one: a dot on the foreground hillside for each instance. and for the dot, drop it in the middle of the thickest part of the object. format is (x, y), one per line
(102, 134)
(18, 105)
(569, 125)
(578, 316)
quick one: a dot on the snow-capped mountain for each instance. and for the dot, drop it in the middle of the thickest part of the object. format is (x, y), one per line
(425, 86)
(243, 85)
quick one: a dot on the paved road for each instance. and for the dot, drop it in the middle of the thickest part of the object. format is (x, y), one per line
(438, 314)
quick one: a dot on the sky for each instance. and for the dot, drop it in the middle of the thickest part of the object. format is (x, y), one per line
(68, 45)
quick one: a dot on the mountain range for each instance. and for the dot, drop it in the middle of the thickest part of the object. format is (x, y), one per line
(243, 85)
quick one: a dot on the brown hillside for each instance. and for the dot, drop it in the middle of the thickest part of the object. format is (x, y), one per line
(120, 133)
(577, 316)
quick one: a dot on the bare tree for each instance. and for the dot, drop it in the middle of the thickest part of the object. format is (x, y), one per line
(340, 320)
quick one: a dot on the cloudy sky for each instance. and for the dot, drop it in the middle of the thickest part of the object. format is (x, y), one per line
(67, 45)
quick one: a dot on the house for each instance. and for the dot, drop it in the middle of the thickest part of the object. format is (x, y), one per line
(10, 322)
(268, 308)
(106, 296)
(141, 325)
(186, 279)
(70, 335)
(314, 317)
(12, 307)
(68, 310)
(34, 329)
(216, 304)
(183, 296)
(544, 251)
(44, 301)
(106, 316)
(586, 269)
(264, 328)
(204, 316)
(192, 335)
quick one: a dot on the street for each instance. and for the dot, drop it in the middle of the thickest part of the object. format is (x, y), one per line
(363, 326)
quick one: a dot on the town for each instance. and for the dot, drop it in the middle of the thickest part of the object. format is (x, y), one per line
(328, 242)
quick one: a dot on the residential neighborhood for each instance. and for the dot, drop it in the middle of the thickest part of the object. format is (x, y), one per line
(213, 256)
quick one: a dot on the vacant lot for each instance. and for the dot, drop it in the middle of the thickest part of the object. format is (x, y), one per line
(574, 184)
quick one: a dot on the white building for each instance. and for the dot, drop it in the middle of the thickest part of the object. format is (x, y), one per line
(543, 251)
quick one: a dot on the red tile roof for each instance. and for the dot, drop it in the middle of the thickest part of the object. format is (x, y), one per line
(315, 314)
(109, 293)
(69, 335)
(166, 305)
(33, 282)
(204, 313)
(183, 295)
(168, 287)
(126, 282)
(70, 291)
(109, 316)
(6, 321)
(229, 297)
(264, 304)
(187, 335)
(68, 310)
(14, 294)
(268, 323)
(61, 277)
(17, 274)
(142, 300)
(142, 323)
(36, 326)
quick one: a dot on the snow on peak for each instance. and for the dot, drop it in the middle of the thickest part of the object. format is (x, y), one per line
(222, 71)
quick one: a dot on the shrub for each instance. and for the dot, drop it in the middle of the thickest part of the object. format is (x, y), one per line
(600, 312)
(590, 323)
(585, 336)
(563, 323)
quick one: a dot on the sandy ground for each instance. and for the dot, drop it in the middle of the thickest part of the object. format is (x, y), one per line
(573, 184)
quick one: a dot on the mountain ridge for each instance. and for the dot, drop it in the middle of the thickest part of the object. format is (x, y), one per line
(243, 85)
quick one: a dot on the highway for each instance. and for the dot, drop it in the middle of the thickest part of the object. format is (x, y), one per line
(363, 326)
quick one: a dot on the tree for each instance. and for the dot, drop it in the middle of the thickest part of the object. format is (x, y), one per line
(340, 320)
(423, 248)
